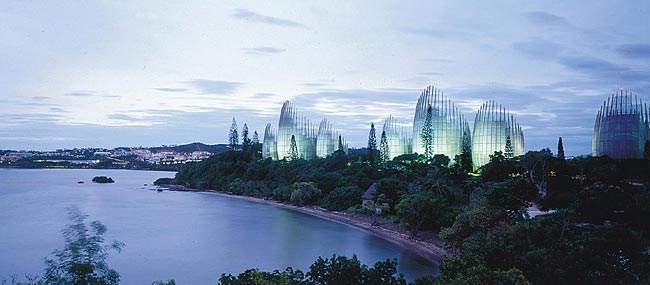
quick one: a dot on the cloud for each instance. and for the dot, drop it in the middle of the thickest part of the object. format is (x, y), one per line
(264, 95)
(122, 117)
(248, 15)
(31, 139)
(430, 73)
(164, 89)
(20, 119)
(545, 18)
(640, 51)
(439, 34)
(215, 86)
(596, 72)
(80, 93)
(537, 48)
(142, 118)
(38, 98)
(315, 84)
(438, 60)
(598, 68)
(263, 50)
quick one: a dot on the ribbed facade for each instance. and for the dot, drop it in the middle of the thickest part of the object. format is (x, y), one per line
(293, 123)
(448, 124)
(328, 140)
(622, 126)
(492, 126)
(398, 143)
(309, 142)
(270, 145)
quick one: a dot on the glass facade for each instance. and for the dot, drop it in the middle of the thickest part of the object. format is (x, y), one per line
(621, 128)
(309, 142)
(269, 145)
(398, 143)
(448, 123)
(293, 124)
(492, 126)
(328, 140)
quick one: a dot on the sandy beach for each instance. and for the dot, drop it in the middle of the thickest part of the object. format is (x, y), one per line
(430, 249)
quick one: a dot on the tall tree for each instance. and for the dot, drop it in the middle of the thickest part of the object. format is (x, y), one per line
(246, 141)
(537, 165)
(416, 210)
(293, 149)
(646, 150)
(372, 144)
(466, 154)
(233, 136)
(509, 152)
(426, 136)
(256, 148)
(385, 149)
(340, 144)
(256, 138)
(560, 149)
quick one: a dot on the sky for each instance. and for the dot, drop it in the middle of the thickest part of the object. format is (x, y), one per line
(150, 73)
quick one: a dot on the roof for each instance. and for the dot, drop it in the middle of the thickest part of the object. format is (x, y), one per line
(370, 193)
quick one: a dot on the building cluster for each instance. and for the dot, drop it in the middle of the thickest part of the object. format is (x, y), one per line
(438, 128)
(621, 131)
(73, 155)
(12, 157)
(298, 138)
(166, 157)
(622, 127)
(118, 156)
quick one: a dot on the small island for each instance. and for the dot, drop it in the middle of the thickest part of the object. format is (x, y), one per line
(103, 179)
(164, 181)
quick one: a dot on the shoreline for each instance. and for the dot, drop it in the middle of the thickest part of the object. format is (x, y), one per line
(429, 249)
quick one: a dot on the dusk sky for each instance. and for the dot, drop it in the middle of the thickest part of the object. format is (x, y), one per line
(148, 73)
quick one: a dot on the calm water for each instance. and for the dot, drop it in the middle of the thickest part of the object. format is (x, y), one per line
(191, 237)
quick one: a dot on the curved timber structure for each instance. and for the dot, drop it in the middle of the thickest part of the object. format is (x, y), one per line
(293, 124)
(309, 143)
(448, 124)
(398, 143)
(270, 145)
(492, 127)
(327, 141)
(622, 127)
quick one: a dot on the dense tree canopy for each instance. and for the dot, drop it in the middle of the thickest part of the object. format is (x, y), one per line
(597, 232)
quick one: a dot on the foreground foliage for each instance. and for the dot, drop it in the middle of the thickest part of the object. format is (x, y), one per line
(338, 270)
(83, 259)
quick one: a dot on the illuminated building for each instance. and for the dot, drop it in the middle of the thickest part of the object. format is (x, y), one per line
(293, 124)
(448, 124)
(398, 143)
(492, 126)
(328, 140)
(622, 127)
(269, 145)
(309, 143)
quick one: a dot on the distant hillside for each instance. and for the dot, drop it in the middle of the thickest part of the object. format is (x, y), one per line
(217, 148)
